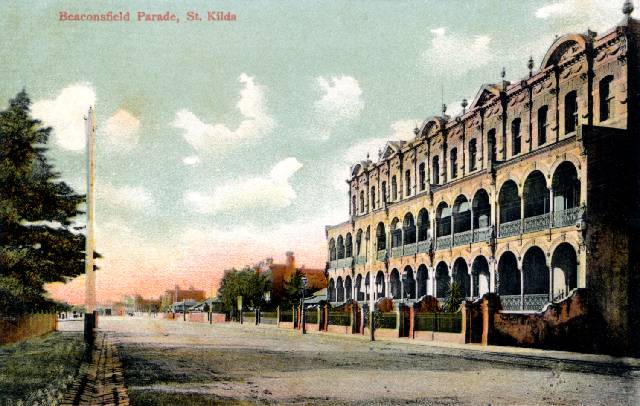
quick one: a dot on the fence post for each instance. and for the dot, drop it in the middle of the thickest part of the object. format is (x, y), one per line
(412, 322)
(326, 317)
(278, 316)
(398, 319)
(319, 310)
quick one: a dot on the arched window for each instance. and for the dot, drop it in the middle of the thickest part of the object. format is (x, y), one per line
(443, 220)
(384, 192)
(566, 187)
(542, 125)
(407, 182)
(348, 246)
(509, 201)
(536, 195)
(362, 201)
(570, 112)
(359, 242)
(394, 188)
(606, 98)
(422, 178)
(481, 209)
(332, 250)
(348, 287)
(423, 225)
(340, 247)
(373, 197)
(491, 137)
(394, 281)
(396, 233)
(516, 138)
(409, 229)
(435, 169)
(461, 215)
(473, 151)
(454, 162)
(332, 290)
(353, 205)
(381, 237)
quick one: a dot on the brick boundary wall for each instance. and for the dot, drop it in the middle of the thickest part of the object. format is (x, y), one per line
(14, 329)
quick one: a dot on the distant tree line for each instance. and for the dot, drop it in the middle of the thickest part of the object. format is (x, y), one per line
(39, 242)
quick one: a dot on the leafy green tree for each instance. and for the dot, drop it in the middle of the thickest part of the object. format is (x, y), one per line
(453, 297)
(38, 242)
(293, 287)
(248, 283)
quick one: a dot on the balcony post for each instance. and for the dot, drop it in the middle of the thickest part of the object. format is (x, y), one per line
(472, 221)
(550, 279)
(521, 215)
(521, 287)
(551, 208)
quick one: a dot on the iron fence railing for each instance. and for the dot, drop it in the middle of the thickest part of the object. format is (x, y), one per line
(388, 320)
(268, 317)
(443, 242)
(396, 251)
(286, 316)
(339, 319)
(482, 234)
(409, 249)
(311, 316)
(361, 260)
(463, 238)
(439, 322)
(381, 255)
(423, 246)
(345, 262)
(532, 302)
(568, 217)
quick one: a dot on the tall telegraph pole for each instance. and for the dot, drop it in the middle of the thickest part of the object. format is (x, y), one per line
(90, 274)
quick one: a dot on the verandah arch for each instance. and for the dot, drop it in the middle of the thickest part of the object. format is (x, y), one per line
(409, 283)
(422, 281)
(461, 276)
(339, 290)
(442, 279)
(348, 288)
(564, 263)
(394, 281)
(481, 276)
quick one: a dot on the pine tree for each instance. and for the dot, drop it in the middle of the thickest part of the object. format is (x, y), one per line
(38, 242)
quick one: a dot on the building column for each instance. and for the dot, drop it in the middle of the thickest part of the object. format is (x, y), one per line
(521, 287)
(387, 283)
(551, 207)
(550, 279)
(493, 266)
(401, 287)
(521, 213)
(471, 280)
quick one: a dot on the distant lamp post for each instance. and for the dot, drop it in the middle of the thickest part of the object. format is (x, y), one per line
(302, 312)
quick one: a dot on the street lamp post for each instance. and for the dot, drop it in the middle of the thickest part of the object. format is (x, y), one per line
(302, 312)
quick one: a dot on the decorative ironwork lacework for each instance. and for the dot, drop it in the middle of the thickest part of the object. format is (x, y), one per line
(339, 319)
(387, 320)
(409, 249)
(463, 238)
(396, 252)
(311, 316)
(510, 228)
(333, 264)
(511, 302)
(381, 255)
(482, 234)
(345, 262)
(536, 223)
(423, 246)
(535, 302)
(361, 259)
(443, 242)
(568, 217)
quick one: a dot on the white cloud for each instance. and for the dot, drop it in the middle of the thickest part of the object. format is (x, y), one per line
(122, 130)
(129, 197)
(341, 99)
(269, 190)
(66, 115)
(455, 54)
(577, 15)
(191, 160)
(210, 137)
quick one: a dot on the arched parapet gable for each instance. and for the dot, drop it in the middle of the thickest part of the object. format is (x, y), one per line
(431, 126)
(540, 167)
(570, 238)
(563, 47)
(485, 93)
(575, 160)
(512, 247)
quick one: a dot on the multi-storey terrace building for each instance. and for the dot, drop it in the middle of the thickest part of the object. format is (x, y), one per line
(528, 193)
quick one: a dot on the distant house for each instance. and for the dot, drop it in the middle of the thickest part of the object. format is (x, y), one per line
(281, 273)
(172, 296)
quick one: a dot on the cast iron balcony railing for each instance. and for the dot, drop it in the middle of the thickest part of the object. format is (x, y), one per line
(482, 234)
(396, 252)
(361, 260)
(381, 255)
(333, 264)
(509, 229)
(568, 217)
(443, 242)
(345, 262)
(463, 238)
(409, 249)
(536, 223)
(423, 246)
(533, 302)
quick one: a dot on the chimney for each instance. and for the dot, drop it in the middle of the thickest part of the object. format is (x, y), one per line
(291, 260)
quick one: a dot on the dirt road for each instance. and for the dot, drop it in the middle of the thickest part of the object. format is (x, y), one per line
(168, 362)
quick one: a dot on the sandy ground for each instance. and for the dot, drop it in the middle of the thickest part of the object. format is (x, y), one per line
(170, 362)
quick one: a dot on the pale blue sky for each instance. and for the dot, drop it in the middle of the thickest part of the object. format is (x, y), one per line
(319, 84)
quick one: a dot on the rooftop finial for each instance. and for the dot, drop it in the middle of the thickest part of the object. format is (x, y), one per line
(367, 156)
(530, 66)
(464, 105)
(503, 73)
(444, 109)
(627, 8)
(416, 130)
